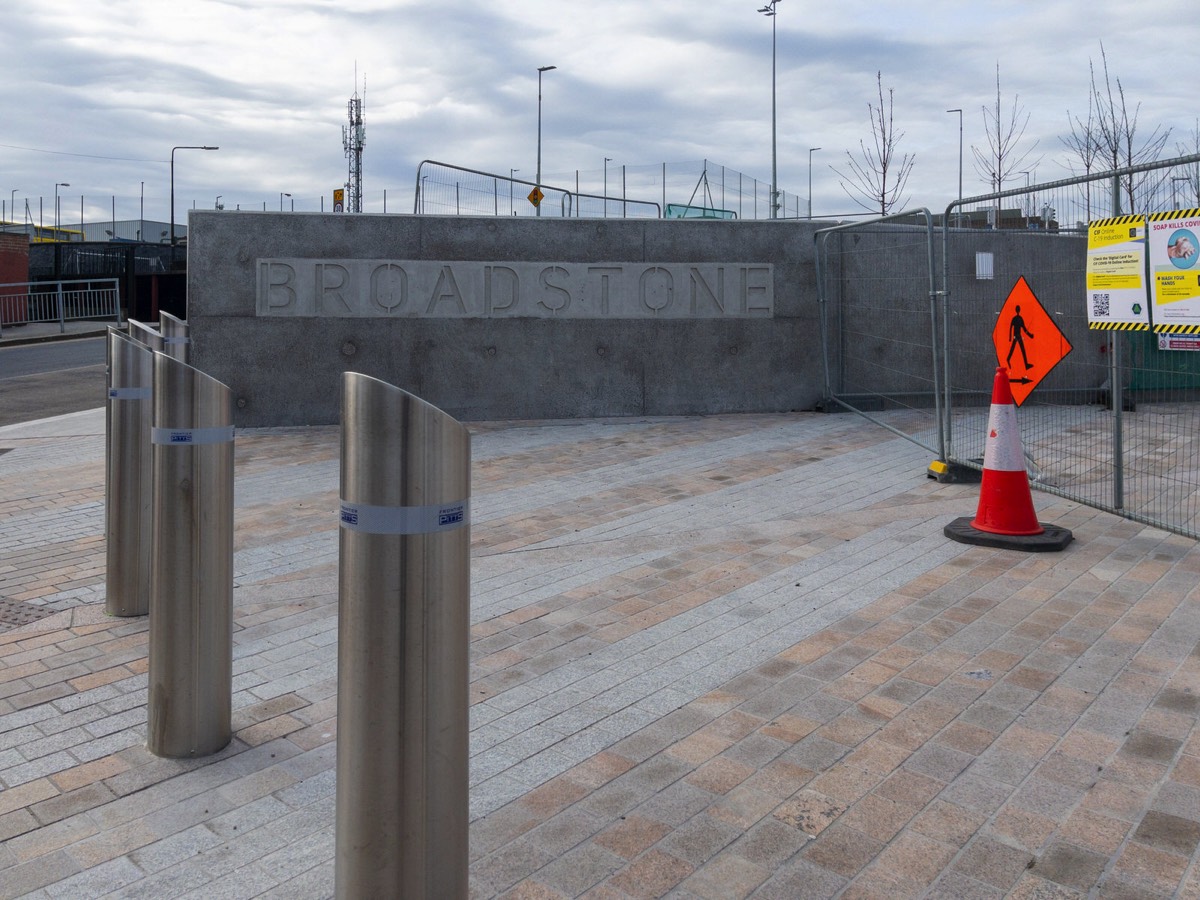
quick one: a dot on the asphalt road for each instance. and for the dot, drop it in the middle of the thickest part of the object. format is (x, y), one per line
(50, 379)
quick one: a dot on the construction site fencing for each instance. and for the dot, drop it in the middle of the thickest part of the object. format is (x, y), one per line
(697, 189)
(25, 303)
(912, 320)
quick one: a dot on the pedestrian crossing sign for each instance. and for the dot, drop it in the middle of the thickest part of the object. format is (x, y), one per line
(1028, 341)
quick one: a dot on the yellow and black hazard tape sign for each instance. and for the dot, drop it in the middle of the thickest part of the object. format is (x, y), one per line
(1118, 326)
(1117, 220)
(1174, 214)
(1177, 329)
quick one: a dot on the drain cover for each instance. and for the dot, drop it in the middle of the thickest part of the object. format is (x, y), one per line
(14, 613)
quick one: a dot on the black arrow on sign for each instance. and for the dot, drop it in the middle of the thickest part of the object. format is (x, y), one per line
(1020, 381)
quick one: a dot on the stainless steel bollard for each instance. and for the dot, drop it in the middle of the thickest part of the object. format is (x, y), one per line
(145, 334)
(176, 337)
(403, 620)
(191, 573)
(127, 486)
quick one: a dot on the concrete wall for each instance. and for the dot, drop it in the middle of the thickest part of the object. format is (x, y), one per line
(878, 291)
(503, 318)
(282, 352)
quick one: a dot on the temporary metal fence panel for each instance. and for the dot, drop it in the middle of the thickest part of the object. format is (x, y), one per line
(26, 303)
(1109, 412)
(1114, 423)
(878, 310)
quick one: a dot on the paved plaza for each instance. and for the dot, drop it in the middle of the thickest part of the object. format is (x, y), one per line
(712, 657)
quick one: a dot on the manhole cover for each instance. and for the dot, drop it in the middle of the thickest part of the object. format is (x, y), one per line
(14, 613)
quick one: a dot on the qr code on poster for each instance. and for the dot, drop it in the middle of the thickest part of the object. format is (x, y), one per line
(1099, 305)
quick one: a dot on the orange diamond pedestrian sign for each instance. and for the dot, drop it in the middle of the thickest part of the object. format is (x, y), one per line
(1028, 342)
(536, 196)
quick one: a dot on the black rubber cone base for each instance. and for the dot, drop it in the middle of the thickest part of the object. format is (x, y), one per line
(1052, 539)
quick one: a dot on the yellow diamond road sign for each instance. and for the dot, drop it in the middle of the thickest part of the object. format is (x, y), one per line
(536, 196)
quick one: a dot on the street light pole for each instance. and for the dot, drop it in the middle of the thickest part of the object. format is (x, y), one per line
(173, 149)
(57, 185)
(960, 155)
(538, 187)
(769, 10)
(281, 196)
(810, 153)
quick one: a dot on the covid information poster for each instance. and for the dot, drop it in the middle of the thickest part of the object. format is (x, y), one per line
(1174, 252)
(1116, 280)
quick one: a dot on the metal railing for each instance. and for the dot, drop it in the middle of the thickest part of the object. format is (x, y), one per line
(25, 303)
(630, 192)
(1114, 424)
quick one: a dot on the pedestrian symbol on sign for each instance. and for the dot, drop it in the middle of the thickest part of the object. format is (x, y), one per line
(1016, 327)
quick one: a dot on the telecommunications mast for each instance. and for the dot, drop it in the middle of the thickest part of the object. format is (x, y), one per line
(354, 136)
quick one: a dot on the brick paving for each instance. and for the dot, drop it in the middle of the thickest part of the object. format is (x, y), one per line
(713, 657)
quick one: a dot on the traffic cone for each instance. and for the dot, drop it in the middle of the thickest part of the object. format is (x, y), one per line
(1005, 501)
(1005, 516)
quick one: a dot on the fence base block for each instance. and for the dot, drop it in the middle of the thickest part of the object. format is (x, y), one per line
(1052, 539)
(953, 473)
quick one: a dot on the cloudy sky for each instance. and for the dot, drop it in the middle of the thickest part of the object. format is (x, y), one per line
(96, 94)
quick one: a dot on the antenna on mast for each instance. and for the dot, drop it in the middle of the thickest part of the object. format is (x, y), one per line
(354, 136)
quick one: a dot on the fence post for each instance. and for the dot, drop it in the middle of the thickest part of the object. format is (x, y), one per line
(62, 313)
(403, 619)
(191, 593)
(1117, 396)
(116, 289)
(127, 488)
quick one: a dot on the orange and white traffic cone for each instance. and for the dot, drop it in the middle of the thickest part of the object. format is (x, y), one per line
(1006, 517)
(1005, 501)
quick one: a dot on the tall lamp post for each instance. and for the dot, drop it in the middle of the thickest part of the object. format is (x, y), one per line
(810, 153)
(57, 185)
(281, 196)
(173, 149)
(960, 135)
(538, 186)
(769, 10)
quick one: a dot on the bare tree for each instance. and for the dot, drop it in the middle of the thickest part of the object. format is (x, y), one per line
(1117, 136)
(1084, 144)
(876, 182)
(1191, 174)
(1004, 156)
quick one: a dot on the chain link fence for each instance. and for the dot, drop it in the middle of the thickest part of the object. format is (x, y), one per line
(1114, 423)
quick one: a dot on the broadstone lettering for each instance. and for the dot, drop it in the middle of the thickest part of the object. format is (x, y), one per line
(428, 289)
